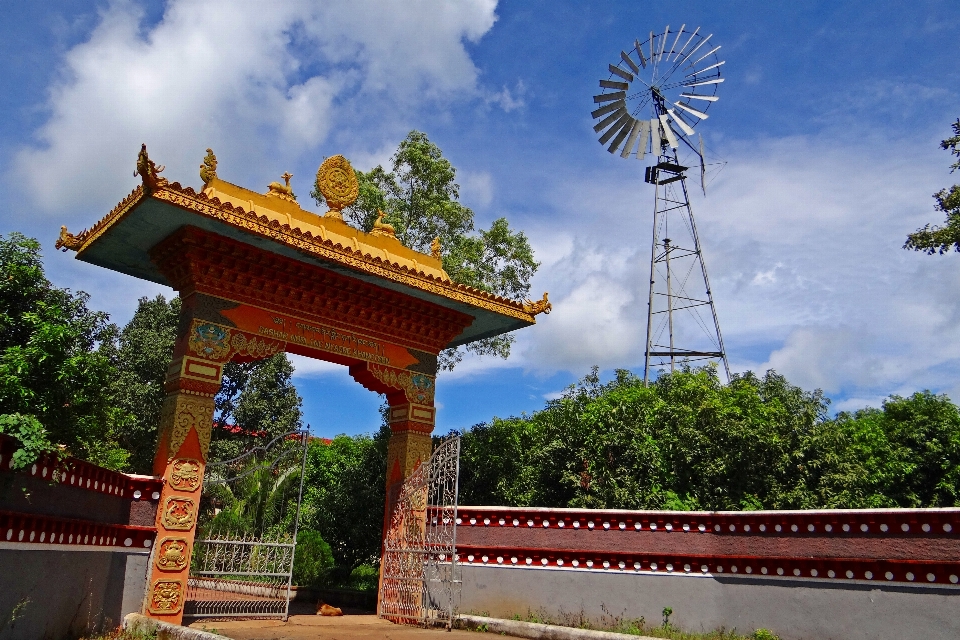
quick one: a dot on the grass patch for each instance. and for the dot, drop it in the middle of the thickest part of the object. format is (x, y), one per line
(124, 634)
(635, 626)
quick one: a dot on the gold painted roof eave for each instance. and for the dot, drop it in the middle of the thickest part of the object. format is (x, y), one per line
(354, 258)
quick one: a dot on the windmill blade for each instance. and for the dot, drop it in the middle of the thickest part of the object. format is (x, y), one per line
(702, 82)
(656, 137)
(617, 71)
(634, 132)
(668, 132)
(613, 106)
(687, 43)
(694, 50)
(612, 84)
(692, 111)
(643, 61)
(687, 129)
(651, 46)
(663, 41)
(696, 97)
(621, 135)
(674, 45)
(630, 63)
(607, 97)
(705, 69)
(708, 53)
(612, 131)
(644, 139)
(613, 117)
(703, 170)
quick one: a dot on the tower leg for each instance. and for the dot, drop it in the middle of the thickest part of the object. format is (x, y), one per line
(678, 305)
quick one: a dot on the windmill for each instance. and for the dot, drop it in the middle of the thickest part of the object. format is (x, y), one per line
(651, 101)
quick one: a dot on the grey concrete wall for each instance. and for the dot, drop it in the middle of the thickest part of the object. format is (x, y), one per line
(795, 610)
(67, 590)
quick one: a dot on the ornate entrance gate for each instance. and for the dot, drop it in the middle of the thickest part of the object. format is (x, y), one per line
(420, 572)
(249, 574)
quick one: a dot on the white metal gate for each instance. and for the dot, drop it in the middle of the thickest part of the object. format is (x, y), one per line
(419, 574)
(248, 575)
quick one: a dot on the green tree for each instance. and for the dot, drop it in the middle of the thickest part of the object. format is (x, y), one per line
(422, 201)
(940, 239)
(257, 402)
(145, 350)
(344, 494)
(905, 454)
(57, 359)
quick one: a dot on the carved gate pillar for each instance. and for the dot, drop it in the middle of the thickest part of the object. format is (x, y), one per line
(186, 423)
(411, 444)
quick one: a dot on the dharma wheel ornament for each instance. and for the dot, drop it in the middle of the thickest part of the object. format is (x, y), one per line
(337, 182)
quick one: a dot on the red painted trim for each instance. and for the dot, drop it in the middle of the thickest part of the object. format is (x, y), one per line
(48, 530)
(909, 529)
(83, 475)
(906, 571)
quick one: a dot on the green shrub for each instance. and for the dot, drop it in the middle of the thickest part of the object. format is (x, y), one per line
(313, 561)
(366, 577)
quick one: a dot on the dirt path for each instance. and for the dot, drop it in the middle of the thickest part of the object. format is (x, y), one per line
(307, 627)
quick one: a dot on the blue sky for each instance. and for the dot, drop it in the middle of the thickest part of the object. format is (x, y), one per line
(829, 122)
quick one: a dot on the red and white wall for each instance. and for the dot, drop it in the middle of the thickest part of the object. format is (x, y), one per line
(802, 574)
(75, 541)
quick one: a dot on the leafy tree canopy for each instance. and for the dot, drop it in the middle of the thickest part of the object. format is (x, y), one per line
(689, 442)
(940, 239)
(422, 201)
(144, 353)
(344, 494)
(56, 362)
(256, 403)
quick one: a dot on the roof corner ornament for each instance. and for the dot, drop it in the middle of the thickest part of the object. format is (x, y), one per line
(208, 170)
(148, 171)
(282, 191)
(435, 248)
(68, 241)
(381, 228)
(540, 306)
(337, 182)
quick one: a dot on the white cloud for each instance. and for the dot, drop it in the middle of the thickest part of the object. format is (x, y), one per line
(305, 367)
(509, 100)
(802, 238)
(476, 188)
(250, 80)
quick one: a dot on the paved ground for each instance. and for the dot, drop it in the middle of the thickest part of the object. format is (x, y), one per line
(313, 627)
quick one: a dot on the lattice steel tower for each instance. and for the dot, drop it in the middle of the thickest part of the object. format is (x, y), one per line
(682, 324)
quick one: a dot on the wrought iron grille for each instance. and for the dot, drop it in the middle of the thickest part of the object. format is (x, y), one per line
(248, 575)
(419, 567)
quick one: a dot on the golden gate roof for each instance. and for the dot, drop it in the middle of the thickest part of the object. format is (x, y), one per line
(274, 221)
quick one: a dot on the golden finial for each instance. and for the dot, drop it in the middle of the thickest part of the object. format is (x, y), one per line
(381, 228)
(338, 184)
(282, 191)
(208, 170)
(540, 306)
(148, 171)
(435, 248)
